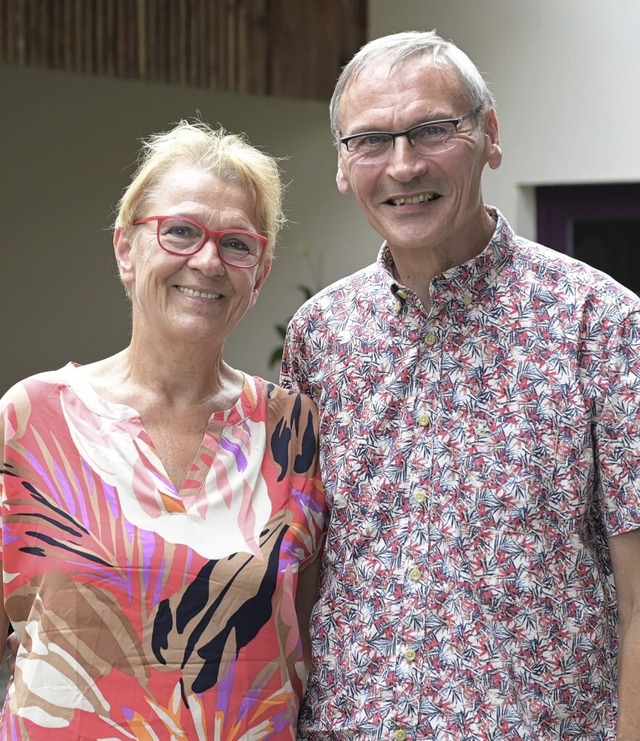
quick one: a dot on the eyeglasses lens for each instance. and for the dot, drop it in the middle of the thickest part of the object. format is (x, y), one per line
(186, 238)
(427, 139)
(239, 249)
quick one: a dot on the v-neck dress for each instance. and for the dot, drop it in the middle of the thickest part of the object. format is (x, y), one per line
(146, 612)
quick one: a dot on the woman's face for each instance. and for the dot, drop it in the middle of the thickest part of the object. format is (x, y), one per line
(195, 298)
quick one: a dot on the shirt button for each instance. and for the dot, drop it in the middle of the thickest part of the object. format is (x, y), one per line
(466, 299)
(399, 735)
(424, 420)
(415, 575)
(420, 496)
(410, 654)
(402, 293)
(430, 338)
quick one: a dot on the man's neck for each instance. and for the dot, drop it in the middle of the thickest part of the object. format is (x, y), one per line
(415, 268)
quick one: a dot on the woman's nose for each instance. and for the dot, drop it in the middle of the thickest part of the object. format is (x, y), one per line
(207, 259)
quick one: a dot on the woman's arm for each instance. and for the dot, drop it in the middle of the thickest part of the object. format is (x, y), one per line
(4, 620)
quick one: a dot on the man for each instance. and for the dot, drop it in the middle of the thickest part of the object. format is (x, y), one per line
(479, 398)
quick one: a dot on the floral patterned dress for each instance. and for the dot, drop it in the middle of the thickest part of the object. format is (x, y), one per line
(146, 612)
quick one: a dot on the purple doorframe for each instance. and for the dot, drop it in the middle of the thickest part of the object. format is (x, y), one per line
(559, 205)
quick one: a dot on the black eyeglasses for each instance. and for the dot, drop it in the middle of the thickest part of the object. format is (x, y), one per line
(180, 235)
(431, 137)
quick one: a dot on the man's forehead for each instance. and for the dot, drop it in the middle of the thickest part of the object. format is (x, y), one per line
(380, 92)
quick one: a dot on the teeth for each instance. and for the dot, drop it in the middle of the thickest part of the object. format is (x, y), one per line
(197, 294)
(413, 200)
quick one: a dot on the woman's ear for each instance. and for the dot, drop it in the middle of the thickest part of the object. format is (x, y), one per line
(122, 249)
(261, 276)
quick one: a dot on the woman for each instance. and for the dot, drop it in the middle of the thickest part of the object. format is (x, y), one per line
(162, 511)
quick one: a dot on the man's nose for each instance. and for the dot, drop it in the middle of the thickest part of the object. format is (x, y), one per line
(404, 161)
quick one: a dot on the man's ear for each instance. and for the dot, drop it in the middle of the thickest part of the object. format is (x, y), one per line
(261, 276)
(122, 249)
(492, 134)
(342, 182)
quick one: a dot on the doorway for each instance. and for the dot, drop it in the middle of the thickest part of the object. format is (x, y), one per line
(598, 224)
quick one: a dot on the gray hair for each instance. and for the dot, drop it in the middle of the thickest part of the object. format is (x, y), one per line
(396, 49)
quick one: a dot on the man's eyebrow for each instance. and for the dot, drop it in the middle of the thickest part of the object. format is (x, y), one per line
(418, 122)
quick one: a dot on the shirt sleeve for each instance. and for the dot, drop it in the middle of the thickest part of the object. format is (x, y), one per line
(617, 429)
(292, 375)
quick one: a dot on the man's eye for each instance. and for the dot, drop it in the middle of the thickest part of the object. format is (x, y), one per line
(374, 139)
(369, 142)
(434, 131)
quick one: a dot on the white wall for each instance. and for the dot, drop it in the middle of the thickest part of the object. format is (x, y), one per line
(67, 142)
(566, 75)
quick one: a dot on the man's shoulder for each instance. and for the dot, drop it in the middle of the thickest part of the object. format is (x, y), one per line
(567, 274)
(362, 286)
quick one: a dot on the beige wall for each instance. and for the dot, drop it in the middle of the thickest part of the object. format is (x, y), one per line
(67, 145)
(566, 74)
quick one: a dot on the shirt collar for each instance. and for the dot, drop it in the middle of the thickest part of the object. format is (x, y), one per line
(472, 276)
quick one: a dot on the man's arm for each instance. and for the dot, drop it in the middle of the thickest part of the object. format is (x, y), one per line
(625, 558)
(291, 376)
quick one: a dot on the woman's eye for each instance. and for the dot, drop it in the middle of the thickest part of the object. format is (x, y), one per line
(236, 245)
(182, 232)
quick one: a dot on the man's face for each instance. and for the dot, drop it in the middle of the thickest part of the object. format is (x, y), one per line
(415, 201)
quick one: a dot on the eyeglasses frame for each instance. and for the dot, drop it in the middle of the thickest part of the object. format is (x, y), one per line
(407, 132)
(208, 233)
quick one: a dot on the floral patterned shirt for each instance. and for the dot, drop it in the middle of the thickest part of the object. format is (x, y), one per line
(476, 458)
(145, 612)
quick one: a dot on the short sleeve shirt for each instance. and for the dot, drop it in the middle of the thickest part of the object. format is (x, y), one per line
(476, 457)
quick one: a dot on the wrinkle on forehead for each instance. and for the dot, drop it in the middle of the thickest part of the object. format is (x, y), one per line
(377, 93)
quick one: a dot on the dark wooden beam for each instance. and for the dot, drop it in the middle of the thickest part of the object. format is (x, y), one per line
(288, 48)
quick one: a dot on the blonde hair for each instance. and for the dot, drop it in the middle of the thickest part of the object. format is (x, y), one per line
(229, 157)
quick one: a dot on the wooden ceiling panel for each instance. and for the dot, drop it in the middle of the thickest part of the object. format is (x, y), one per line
(288, 48)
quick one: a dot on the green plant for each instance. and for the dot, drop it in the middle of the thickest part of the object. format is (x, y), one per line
(276, 356)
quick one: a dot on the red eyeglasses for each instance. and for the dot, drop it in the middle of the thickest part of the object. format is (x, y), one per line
(182, 236)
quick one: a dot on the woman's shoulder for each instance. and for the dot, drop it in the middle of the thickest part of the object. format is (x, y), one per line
(37, 383)
(278, 397)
